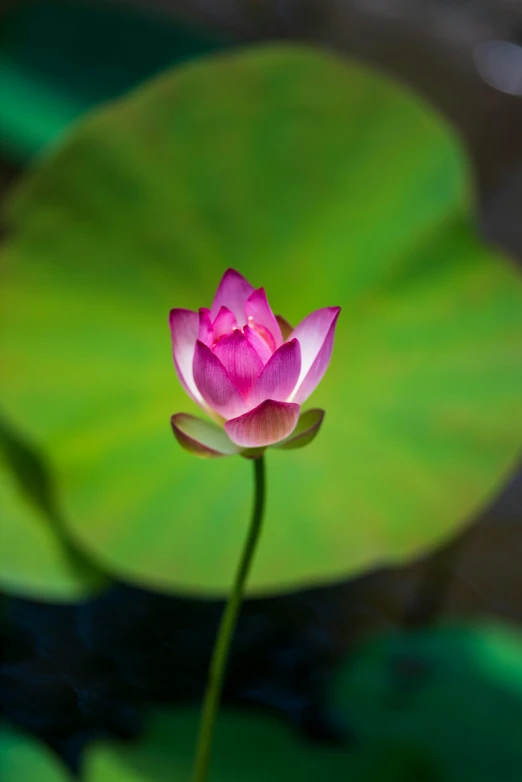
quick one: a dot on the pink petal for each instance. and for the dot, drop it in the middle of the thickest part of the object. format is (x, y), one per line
(307, 428)
(200, 437)
(232, 292)
(224, 323)
(240, 360)
(184, 327)
(266, 424)
(214, 383)
(279, 376)
(205, 331)
(315, 334)
(260, 316)
(258, 343)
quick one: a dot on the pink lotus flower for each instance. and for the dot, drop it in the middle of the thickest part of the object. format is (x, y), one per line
(249, 371)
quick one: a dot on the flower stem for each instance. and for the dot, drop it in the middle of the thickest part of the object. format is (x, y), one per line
(227, 626)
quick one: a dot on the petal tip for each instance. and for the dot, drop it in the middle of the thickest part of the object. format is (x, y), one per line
(316, 337)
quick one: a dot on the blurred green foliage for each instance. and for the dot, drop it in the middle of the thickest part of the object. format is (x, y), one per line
(437, 705)
(326, 183)
(24, 758)
(32, 523)
(453, 692)
(440, 705)
(60, 58)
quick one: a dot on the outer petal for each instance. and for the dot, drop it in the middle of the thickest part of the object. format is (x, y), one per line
(258, 312)
(214, 383)
(266, 424)
(279, 376)
(184, 326)
(224, 323)
(202, 438)
(307, 428)
(232, 292)
(240, 360)
(315, 334)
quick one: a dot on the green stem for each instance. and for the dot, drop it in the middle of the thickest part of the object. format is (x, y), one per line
(225, 634)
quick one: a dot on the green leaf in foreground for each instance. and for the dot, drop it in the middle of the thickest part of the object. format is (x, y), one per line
(455, 692)
(249, 748)
(442, 705)
(328, 184)
(23, 759)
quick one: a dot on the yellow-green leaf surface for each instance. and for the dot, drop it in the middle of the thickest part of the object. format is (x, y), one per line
(439, 705)
(327, 184)
(23, 759)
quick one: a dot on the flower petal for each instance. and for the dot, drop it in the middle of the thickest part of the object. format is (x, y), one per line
(214, 383)
(286, 328)
(258, 343)
(279, 375)
(224, 323)
(240, 360)
(184, 327)
(260, 316)
(232, 292)
(202, 438)
(266, 424)
(307, 428)
(315, 334)
(205, 331)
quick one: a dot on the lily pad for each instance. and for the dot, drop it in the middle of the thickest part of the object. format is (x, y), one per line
(328, 184)
(23, 758)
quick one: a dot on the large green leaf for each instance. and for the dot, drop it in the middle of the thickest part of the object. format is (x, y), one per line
(328, 184)
(22, 758)
(438, 705)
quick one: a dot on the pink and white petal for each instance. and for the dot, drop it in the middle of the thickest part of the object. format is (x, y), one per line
(240, 360)
(258, 343)
(224, 323)
(233, 292)
(306, 430)
(205, 331)
(202, 438)
(184, 327)
(316, 335)
(214, 383)
(279, 376)
(286, 328)
(266, 424)
(260, 316)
